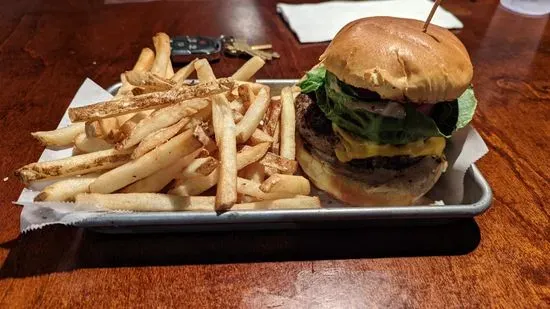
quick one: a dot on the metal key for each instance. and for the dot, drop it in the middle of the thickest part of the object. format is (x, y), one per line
(240, 46)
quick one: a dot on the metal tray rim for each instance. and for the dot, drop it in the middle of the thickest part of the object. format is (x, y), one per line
(299, 215)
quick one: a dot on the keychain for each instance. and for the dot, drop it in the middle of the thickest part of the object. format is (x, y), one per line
(187, 48)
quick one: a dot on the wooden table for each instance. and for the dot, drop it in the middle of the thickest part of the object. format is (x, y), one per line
(500, 260)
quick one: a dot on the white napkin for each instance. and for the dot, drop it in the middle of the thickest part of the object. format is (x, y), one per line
(320, 22)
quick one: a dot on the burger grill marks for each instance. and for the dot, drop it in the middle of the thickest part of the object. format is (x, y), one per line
(355, 110)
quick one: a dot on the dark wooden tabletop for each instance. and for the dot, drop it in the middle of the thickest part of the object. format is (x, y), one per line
(500, 259)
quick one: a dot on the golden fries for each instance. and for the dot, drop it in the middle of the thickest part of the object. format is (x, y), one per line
(282, 165)
(199, 167)
(145, 60)
(259, 137)
(158, 138)
(253, 116)
(155, 202)
(226, 193)
(299, 202)
(248, 69)
(127, 105)
(252, 188)
(205, 140)
(286, 183)
(148, 79)
(65, 190)
(159, 179)
(59, 137)
(169, 69)
(204, 71)
(160, 119)
(146, 165)
(162, 58)
(87, 144)
(197, 185)
(161, 134)
(183, 73)
(271, 118)
(254, 172)
(147, 202)
(77, 165)
(288, 125)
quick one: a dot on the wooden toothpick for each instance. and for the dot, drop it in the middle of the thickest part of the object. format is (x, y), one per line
(427, 23)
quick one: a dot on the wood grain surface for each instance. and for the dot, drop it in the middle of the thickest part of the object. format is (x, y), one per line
(500, 259)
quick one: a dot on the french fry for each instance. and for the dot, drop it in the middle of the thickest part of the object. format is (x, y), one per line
(147, 202)
(158, 138)
(183, 73)
(169, 69)
(197, 185)
(60, 137)
(159, 158)
(255, 87)
(162, 58)
(108, 125)
(238, 106)
(93, 129)
(255, 172)
(249, 68)
(145, 60)
(205, 140)
(246, 94)
(76, 165)
(271, 118)
(276, 137)
(139, 78)
(199, 167)
(204, 71)
(253, 116)
(128, 126)
(283, 165)
(87, 144)
(258, 137)
(252, 188)
(158, 180)
(108, 128)
(204, 114)
(126, 105)
(286, 183)
(299, 202)
(226, 191)
(237, 117)
(288, 125)
(162, 118)
(156, 202)
(65, 190)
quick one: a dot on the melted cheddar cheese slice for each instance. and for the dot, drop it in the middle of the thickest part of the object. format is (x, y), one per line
(351, 147)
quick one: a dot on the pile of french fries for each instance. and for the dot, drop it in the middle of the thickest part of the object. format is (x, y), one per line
(167, 143)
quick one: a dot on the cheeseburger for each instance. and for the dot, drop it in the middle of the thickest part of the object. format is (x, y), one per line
(375, 114)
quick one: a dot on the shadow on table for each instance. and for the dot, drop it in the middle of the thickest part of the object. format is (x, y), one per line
(58, 249)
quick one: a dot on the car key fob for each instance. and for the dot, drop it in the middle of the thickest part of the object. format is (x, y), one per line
(186, 48)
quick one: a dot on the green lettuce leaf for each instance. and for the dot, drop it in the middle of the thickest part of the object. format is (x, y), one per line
(314, 79)
(454, 115)
(339, 102)
(467, 104)
(384, 130)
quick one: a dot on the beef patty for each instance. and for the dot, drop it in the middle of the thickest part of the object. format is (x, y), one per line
(319, 138)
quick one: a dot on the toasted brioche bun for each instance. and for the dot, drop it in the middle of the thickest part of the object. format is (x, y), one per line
(393, 57)
(413, 183)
